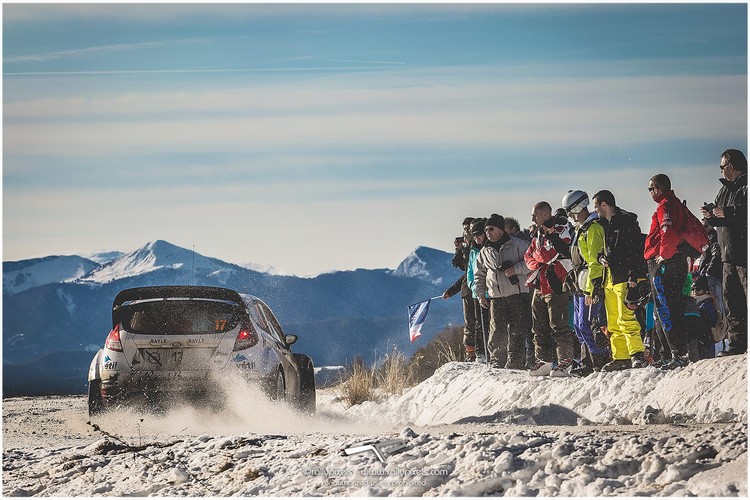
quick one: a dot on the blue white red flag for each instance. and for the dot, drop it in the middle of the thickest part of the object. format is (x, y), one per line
(417, 317)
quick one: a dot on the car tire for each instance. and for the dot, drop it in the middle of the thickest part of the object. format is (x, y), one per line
(96, 405)
(279, 389)
(307, 398)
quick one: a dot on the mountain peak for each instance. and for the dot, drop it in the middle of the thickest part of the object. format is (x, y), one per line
(154, 255)
(425, 263)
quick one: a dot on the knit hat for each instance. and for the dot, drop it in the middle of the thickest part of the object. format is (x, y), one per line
(497, 221)
(467, 221)
(700, 283)
(477, 227)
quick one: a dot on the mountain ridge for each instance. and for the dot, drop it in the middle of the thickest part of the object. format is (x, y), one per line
(339, 316)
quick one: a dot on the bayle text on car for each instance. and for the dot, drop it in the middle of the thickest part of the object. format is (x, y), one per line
(173, 341)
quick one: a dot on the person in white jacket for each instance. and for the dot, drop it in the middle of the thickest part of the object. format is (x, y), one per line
(501, 274)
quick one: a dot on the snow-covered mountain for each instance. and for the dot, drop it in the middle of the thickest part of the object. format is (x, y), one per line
(22, 275)
(56, 323)
(153, 256)
(103, 256)
(427, 264)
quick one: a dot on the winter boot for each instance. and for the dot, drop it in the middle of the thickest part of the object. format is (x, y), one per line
(541, 368)
(562, 369)
(616, 365)
(600, 360)
(676, 362)
(582, 370)
(638, 360)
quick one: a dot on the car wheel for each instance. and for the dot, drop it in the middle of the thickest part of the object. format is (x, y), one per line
(279, 393)
(96, 405)
(307, 399)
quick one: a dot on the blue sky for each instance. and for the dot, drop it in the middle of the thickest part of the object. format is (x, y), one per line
(319, 137)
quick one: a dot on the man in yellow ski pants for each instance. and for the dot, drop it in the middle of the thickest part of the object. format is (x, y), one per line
(622, 260)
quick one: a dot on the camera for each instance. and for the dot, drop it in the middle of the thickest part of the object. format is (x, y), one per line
(507, 265)
(708, 207)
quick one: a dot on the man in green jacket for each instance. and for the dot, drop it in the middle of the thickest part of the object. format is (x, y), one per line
(586, 281)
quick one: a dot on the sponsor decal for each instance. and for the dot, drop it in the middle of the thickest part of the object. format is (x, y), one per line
(661, 304)
(157, 341)
(239, 358)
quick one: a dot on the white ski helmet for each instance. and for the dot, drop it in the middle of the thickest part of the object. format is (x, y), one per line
(575, 201)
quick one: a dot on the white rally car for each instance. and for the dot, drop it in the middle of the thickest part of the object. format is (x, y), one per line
(168, 342)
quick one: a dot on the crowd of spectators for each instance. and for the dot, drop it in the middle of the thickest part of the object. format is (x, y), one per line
(585, 290)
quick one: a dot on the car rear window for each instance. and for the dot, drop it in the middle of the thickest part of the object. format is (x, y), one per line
(179, 317)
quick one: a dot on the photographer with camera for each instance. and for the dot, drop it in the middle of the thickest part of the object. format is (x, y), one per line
(729, 217)
(501, 274)
(548, 257)
(460, 260)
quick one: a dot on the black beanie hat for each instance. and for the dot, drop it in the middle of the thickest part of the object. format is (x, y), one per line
(496, 220)
(477, 227)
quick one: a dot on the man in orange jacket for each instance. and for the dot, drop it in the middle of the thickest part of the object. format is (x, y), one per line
(667, 269)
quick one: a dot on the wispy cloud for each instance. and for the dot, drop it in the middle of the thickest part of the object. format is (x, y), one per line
(572, 111)
(102, 49)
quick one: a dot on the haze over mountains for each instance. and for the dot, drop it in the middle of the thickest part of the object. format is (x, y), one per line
(58, 308)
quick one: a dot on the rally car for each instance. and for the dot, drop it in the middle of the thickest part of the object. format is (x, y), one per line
(172, 342)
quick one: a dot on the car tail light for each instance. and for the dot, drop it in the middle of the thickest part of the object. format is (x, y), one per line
(113, 340)
(246, 338)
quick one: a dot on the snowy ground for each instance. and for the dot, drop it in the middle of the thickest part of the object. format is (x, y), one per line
(468, 431)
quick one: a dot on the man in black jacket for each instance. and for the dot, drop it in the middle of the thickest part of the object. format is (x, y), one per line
(472, 326)
(729, 217)
(622, 260)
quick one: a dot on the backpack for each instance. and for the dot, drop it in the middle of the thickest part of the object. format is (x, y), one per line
(693, 234)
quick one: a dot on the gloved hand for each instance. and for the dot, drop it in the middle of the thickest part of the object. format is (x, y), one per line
(598, 292)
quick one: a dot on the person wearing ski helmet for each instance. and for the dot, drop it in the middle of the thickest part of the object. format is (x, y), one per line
(586, 281)
(621, 260)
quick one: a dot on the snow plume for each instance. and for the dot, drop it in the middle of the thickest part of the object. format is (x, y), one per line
(235, 406)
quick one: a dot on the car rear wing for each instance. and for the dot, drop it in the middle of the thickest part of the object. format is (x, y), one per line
(172, 292)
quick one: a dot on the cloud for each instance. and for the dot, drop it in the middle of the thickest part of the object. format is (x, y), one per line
(97, 50)
(511, 112)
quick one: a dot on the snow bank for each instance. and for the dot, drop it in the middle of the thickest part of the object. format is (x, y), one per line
(713, 390)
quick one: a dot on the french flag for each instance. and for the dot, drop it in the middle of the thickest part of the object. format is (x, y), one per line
(417, 317)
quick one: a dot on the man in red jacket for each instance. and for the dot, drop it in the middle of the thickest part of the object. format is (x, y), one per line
(548, 257)
(667, 269)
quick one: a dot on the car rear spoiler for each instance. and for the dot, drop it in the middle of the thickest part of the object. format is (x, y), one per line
(167, 292)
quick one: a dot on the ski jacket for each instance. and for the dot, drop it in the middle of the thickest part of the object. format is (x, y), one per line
(546, 258)
(711, 263)
(489, 279)
(732, 228)
(587, 244)
(459, 286)
(666, 224)
(623, 242)
(471, 269)
(460, 261)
